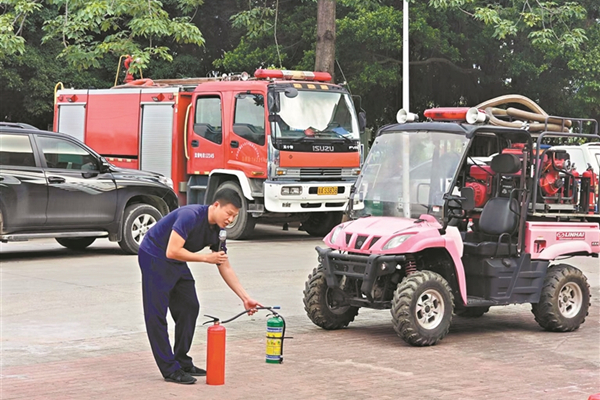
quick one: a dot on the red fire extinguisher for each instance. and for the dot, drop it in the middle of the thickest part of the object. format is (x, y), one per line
(593, 183)
(215, 353)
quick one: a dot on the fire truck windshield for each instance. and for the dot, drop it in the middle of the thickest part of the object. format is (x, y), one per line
(316, 114)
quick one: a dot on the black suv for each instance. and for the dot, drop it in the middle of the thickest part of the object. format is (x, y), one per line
(54, 186)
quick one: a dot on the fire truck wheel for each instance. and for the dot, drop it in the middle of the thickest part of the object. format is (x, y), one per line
(422, 308)
(471, 312)
(76, 243)
(243, 225)
(320, 224)
(323, 306)
(565, 299)
(137, 220)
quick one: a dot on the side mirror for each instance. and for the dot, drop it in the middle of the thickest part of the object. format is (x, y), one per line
(362, 120)
(273, 98)
(104, 167)
(468, 194)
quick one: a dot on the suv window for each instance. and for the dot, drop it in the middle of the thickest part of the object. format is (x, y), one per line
(16, 150)
(249, 121)
(63, 154)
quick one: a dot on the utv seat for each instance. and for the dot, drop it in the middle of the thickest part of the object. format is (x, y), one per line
(499, 218)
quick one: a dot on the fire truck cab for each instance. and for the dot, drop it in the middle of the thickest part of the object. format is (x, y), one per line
(286, 141)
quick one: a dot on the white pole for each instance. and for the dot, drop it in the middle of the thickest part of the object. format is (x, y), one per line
(405, 104)
(405, 61)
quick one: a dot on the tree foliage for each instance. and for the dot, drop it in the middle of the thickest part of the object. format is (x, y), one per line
(89, 30)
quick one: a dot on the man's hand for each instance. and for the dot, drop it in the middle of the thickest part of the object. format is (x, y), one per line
(251, 304)
(216, 257)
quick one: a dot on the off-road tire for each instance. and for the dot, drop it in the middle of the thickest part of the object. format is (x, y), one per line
(422, 308)
(564, 301)
(243, 225)
(471, 312)
(137, 220)
(76, 243)
(319, 309)
(320, 224)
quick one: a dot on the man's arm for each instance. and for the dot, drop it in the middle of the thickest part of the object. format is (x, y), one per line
(176, 251)
(233, 282)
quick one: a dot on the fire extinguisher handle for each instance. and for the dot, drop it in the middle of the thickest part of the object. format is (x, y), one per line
(213, 319)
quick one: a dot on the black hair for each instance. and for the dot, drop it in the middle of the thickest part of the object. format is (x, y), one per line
(228, 196)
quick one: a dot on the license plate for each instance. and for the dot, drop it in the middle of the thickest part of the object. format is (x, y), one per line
(327, 190)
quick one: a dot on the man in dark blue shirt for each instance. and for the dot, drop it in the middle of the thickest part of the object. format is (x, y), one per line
(167, 282)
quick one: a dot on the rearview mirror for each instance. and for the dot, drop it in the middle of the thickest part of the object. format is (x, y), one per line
(291, 92)
(468, 195)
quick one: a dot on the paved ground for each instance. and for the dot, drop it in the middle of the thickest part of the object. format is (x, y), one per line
(72, 328)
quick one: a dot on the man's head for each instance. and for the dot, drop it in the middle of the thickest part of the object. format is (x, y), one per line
(225, 208)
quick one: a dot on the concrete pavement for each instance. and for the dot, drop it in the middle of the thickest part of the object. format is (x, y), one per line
(72, 328)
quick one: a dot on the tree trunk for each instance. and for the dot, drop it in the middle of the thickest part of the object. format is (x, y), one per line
(325, 51)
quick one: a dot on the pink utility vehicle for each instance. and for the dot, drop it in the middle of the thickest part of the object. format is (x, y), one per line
(454, 218)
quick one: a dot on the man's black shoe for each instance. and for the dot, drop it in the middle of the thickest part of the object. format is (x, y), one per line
(195, 371)
(180, 376)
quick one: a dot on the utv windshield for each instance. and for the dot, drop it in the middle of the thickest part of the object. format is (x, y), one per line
(316, 114)
(427, 161)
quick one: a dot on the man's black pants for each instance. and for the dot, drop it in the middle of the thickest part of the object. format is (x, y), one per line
(168, 285)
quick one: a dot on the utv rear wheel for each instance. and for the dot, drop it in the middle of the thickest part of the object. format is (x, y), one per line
(565, 299)
(321, 305)
(243, 225)
(471, 312)
(137, 220)
(76, 243)
(422, 308)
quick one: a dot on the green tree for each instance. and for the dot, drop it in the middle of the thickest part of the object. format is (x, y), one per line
(89, 30)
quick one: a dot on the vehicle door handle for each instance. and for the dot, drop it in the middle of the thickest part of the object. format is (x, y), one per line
(1, 178)
(195, 143)
(234, 144)
(56, 179)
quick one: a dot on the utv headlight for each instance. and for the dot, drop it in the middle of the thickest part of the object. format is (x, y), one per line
(335, 233)
(395, 241)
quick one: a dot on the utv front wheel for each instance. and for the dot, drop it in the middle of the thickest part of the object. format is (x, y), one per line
(565, 299)
(422, 308)
(323, 306)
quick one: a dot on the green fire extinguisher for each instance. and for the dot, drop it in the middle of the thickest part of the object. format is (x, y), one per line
(275, 336)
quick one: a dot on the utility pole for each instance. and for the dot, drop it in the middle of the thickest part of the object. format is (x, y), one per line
(406, 106)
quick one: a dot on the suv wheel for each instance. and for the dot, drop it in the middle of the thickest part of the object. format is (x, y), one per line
(565, 299)
(137, 220)
(76, 243)
(322, 306)
(422, 308)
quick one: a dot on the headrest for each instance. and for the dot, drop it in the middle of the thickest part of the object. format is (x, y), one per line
(506, 164)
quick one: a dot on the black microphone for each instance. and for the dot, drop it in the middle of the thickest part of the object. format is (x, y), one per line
(222, 238)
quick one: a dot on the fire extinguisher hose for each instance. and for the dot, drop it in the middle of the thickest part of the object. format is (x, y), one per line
(272, 309)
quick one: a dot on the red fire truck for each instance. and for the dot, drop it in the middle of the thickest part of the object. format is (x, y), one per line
(286, 141)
